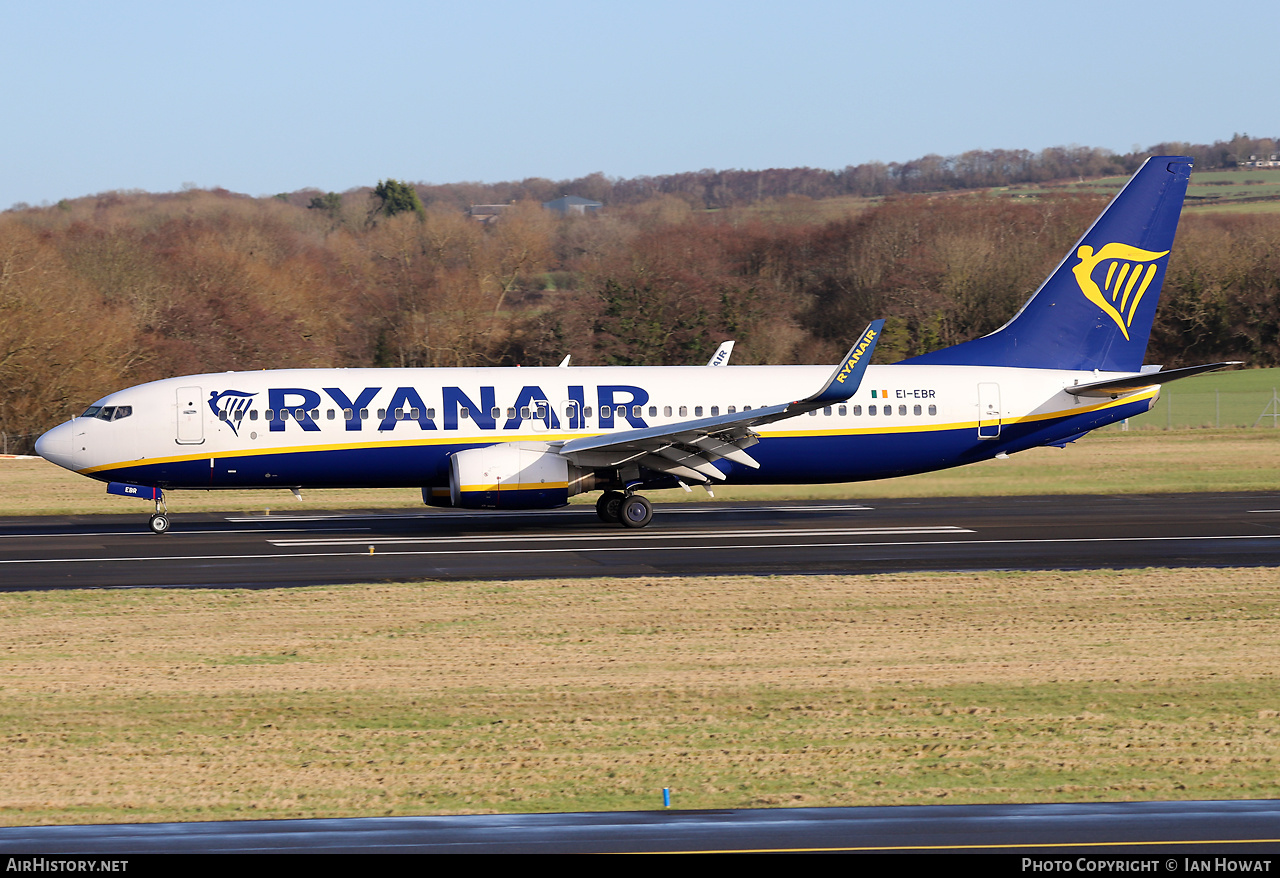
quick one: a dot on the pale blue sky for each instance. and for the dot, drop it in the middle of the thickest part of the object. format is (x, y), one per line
(269, 97)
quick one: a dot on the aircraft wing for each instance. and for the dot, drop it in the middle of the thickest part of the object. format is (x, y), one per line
(688, 450)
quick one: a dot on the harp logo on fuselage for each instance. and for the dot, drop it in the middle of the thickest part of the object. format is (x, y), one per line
(230, 406)
(1130, 271)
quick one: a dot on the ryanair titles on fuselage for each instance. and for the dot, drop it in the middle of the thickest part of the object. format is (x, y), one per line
(297, 405)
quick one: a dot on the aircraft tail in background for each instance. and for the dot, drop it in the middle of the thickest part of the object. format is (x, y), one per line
(1096, 310)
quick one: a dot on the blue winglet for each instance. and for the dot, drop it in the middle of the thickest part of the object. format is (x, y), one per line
(844, 381)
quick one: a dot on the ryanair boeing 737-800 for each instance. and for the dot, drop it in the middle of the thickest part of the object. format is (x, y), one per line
(504, 438)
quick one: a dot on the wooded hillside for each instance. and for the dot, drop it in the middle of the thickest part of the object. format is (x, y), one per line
(108, 291)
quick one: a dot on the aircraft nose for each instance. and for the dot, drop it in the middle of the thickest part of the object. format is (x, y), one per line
(57, 446)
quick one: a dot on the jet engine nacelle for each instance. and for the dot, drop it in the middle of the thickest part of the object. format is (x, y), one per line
(514, 476)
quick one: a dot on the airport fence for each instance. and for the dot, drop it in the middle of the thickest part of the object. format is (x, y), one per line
(1188, 409)
(18, 443)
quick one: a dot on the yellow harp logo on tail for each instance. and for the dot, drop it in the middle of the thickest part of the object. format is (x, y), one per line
(1129, 273)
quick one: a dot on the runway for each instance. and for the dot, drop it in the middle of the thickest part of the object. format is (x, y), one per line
(1154, 830)
(229, 550)
(1076, 532)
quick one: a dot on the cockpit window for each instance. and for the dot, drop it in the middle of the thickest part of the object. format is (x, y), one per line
(108, 412)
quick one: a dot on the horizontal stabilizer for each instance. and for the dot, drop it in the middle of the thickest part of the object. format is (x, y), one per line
(1131, 384)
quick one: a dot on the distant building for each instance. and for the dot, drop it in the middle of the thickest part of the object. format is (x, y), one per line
(486, 213)
(572, 204)
(1262, 162)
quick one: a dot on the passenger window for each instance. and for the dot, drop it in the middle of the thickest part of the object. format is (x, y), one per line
(511, 413)
(888, 410)
(415, 413)
(222, 416)
(731, 410)
(348, 414)
(253, 414)
(813, 413)
(496, 413)
(684, 411)
(464, 413)
(364, 414)
(916, 410)
(542, 412)
(524, 411)
(871, 410)
(902, 410)
(697, 411)
(431, 413)
(857, 411)
(933, 409)
(826, 411)
(586, 411)
(329, 414)
(399, 414)
(746, 408)
(635, 411)
(605, 411)
(666, 411)
(269, 414)
(653, 411)
(715, 410)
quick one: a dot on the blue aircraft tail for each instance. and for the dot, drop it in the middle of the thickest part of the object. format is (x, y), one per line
(1095, 311)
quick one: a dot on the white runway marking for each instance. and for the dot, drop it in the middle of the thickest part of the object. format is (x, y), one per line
(618, 535)
(500, 550)
(144, 532)
(690, 509)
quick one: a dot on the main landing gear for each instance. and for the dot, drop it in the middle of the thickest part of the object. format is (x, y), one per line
(629, 510)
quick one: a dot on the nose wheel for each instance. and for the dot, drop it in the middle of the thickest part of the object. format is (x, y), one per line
(159, 523)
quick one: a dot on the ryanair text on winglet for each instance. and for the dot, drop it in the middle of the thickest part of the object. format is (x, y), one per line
(857, 355)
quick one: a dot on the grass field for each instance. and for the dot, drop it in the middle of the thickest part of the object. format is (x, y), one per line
(566, 695)
(445, 697)
(1233, 190)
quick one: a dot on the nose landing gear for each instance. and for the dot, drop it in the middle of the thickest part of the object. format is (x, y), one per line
(159, 522)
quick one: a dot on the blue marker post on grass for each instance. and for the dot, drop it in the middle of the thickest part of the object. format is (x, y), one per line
(666, 797)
